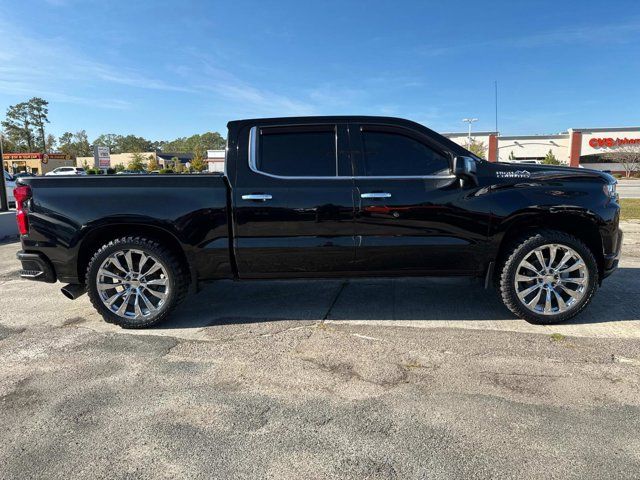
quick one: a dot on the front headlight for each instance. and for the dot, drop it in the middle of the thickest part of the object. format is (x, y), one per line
(610, 191)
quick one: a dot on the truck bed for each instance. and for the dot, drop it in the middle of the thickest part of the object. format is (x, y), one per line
(191, 211)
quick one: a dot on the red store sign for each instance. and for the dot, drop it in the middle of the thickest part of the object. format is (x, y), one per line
(37, 156)
(612, 142)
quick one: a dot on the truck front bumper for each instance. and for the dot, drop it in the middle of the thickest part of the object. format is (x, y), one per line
(611, 260)
(35, 266)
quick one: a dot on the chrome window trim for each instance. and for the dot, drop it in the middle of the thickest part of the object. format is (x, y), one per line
(253, 147)
(415, 177)
(412, 134)
(226, 157)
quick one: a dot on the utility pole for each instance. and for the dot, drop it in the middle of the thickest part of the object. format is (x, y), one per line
(4, 204)
(496, 85)
(469, 121)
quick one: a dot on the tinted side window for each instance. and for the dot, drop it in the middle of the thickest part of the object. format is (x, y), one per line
(393, 154)
(298, 152)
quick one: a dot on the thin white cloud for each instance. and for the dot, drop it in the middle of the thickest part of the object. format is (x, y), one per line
(17, 88)
(58, 3)
(35, 64)
(54, 69)
(245, 98)
(125, 76)
(617, 33)
(333, 95)
(49, 66)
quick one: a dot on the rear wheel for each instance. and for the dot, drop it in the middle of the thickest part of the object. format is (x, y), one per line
(548, 277)
(135, 282)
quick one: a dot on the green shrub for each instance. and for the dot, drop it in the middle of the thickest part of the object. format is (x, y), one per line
(550, 159)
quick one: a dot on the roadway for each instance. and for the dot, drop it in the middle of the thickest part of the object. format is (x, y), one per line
(629, 188)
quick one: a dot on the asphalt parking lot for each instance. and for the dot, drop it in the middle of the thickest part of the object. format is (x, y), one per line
(382, 378)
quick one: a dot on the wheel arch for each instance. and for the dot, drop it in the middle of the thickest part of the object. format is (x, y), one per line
(581, 225)
(100, 235)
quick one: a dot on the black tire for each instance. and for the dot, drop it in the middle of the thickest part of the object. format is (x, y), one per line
(519, 251)
(175, 271)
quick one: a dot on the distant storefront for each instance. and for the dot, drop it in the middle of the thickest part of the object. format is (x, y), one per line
(586, 147)
(215, 160)
(36, 163)
(166, 160)
(115, 159)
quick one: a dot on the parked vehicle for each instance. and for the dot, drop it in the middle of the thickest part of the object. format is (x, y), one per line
(325, 197)
(24, 174)
(526, 162)
(131, 172)
(67, 171)
(10, 184)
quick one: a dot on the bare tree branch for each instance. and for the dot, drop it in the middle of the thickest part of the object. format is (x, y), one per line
(628, 156)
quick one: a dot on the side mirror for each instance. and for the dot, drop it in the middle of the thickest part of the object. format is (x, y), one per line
(464, 168)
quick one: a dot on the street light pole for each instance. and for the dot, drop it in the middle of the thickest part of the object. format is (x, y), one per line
(4, 204)
(469, 121)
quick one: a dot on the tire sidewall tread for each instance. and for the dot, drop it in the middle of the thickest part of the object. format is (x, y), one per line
(519, 250)
(178, 279)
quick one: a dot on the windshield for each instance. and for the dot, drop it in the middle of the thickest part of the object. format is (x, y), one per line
(8, 177)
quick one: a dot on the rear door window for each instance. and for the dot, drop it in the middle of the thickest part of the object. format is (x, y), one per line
(307, 151)
(390, 153)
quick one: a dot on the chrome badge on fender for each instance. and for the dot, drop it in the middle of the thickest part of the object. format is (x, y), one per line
(516, 174)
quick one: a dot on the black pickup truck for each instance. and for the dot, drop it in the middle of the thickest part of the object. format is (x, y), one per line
(313, 197)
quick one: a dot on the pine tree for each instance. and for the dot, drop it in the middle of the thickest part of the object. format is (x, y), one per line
(550, 159)
(152, 164)
(478, 149)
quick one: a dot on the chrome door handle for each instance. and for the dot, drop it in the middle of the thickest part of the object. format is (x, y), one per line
(260, 197)
(375, 195)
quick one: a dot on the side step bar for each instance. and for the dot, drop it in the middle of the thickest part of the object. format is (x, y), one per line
(35, 266)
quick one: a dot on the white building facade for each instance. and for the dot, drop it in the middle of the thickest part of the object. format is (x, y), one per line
(215, 160)
(587, 147)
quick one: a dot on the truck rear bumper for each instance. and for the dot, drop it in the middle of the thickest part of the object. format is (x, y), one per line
(35, 266)
(611, 260)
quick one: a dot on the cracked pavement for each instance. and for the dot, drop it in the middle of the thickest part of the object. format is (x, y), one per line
(321, 379)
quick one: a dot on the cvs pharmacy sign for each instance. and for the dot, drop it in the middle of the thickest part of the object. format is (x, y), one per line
(612, 142)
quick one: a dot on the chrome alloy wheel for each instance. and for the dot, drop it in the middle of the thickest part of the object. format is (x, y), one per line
(132, 284)
(551, 279)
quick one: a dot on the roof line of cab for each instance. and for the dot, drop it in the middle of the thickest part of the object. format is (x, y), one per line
(236, 124)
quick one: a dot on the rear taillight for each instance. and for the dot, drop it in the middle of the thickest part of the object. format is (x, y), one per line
(22, 194)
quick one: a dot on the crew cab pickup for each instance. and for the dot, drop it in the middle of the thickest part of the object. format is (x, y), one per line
(312, 197)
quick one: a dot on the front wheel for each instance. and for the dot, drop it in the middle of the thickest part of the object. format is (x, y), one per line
(548, 277)
(135, 282)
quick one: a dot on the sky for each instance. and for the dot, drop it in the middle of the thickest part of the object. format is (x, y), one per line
(162, 69)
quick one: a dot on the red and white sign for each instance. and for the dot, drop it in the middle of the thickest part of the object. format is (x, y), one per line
(609, 142)
(101, 157)
(37, 156)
